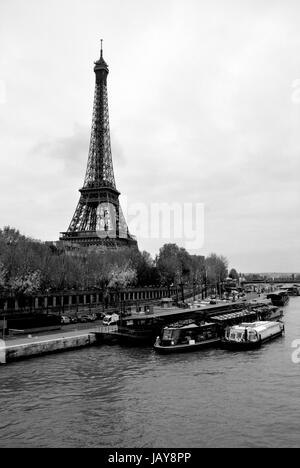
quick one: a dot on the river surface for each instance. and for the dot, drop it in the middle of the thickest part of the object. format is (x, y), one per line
(113, 396)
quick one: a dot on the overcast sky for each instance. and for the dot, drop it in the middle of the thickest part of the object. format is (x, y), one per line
(204, 108)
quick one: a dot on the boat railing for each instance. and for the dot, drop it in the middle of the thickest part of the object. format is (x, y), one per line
(107, 329)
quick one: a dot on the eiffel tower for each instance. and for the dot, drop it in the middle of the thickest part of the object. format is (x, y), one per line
(98, 219)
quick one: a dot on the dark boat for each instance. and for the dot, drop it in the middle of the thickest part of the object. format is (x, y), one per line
(251, 335)
(191, 337)
(263, 312)
(268, 313)
(279, 299)
(293, 290)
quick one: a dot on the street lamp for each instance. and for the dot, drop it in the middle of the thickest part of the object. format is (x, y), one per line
(47, 296)
(181, 284)
(204, 291)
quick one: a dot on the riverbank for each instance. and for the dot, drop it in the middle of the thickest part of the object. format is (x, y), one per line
(26, 347)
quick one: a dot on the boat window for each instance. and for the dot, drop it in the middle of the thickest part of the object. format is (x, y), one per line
(168, 334)
(252, 336)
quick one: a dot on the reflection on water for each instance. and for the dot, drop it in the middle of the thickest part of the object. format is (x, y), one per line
(115, 396)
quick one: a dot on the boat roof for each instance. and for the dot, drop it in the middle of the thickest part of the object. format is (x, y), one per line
(177, 311)
(190, 325)
(259, 326)
(233, 315)
(279, 291)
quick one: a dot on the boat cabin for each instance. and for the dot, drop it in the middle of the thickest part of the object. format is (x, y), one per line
(240, 333)
(279, 298)
(234, 318)
(252, 333)
(291, 290)
(192, 333)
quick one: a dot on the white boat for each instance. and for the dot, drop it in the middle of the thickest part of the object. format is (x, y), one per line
(251, 335)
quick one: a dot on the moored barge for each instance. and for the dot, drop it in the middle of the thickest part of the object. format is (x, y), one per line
(279, 299)
(144, 327)
(191, 337)
(251, 335)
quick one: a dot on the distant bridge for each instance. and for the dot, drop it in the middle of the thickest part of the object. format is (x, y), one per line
(273, 281)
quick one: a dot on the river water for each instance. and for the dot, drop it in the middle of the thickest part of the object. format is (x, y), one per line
(114, 396)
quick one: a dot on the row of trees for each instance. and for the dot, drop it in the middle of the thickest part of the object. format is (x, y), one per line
(28, 266)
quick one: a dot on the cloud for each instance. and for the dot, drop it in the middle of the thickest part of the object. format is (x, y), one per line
(70, 151)
(201, 110)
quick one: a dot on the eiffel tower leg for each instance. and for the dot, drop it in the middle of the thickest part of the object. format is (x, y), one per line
(76, 220)
(117, 221)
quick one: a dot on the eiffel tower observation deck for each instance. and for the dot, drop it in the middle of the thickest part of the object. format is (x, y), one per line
(98, 219)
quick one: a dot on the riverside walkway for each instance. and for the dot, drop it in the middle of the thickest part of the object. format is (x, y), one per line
(28, 346)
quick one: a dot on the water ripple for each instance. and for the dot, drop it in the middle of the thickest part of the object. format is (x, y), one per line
(116, 396)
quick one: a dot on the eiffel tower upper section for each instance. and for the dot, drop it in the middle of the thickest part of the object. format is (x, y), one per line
(98, 218)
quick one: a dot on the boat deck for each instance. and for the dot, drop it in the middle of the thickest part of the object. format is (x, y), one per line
(175, 311)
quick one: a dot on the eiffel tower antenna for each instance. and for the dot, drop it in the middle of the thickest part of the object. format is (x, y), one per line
(99, 193)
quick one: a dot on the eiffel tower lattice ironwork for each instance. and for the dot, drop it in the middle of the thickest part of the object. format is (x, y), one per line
(98, 218)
